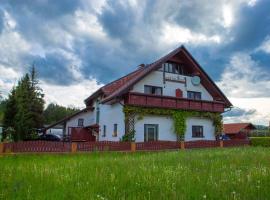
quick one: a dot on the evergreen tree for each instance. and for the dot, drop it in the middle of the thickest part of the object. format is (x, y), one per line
(38, 102)
(24, 119)
(24, 111)
(54, 113)
(10, 111)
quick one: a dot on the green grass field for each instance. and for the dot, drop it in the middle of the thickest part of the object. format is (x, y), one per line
(237, 173)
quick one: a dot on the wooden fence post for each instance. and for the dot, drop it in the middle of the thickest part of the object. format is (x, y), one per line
(221, 144)
(182, 144)
(133, 146)
(74, 147)
(1, 147)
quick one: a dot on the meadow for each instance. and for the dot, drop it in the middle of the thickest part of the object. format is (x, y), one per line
(231, 173)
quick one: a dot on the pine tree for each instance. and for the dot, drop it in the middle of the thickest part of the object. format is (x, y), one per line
(24, 112)
(24, 123)
(9, 116)
(38, 102)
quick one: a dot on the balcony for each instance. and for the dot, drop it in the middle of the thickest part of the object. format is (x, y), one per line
(148, 100)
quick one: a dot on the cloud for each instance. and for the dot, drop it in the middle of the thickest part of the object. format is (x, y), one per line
(244, 115)
(8, 78)
(251, 25)
(1, 20)
(244, 78)
(78, 46)
(240, 115)
(265, 46)
(255, 110)
(70, 95)
(173, 34)
(246, 83)
(238, 112)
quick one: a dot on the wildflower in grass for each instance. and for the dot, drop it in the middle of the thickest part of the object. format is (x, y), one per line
(204, 196)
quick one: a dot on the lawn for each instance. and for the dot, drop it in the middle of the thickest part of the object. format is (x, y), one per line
(232, 173)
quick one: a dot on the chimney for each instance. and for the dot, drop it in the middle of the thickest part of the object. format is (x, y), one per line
(141, 65)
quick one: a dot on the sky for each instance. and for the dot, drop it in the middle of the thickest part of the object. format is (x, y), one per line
(78, 46)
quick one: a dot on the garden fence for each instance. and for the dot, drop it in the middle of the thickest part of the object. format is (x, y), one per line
(46, 146)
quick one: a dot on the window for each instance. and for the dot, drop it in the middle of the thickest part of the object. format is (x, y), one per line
(150, 132)
(173, 68)
(97, 115)
(194, 95)
(152, 90)
(115, 130)
(197, 131)
(80, 122)
(104, 131)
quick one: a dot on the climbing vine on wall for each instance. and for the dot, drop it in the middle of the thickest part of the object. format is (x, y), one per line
(179, 117)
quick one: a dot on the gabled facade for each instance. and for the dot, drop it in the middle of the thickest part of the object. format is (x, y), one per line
(174, 82)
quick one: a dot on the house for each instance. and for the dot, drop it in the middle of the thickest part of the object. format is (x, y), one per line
(238, 130)
(147, 102)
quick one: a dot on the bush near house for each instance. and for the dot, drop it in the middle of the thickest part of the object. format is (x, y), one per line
(231, 173)
(260, 141)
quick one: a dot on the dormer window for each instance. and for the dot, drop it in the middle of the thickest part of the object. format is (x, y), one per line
(174, 68)
(149, 89)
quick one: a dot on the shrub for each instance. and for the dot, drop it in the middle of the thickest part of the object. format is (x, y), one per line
(130, 137)
(260, 141)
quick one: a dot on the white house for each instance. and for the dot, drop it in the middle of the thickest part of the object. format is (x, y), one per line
(175, 82)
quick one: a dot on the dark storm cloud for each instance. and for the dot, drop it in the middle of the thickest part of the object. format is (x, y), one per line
(263, 59)
(45, 9)
(252, 26)
(104, 62)
(117, 20)
(53, 68)
(135, 30)
(36, 18)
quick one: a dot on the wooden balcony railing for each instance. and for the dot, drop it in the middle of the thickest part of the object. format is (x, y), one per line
(148, 100)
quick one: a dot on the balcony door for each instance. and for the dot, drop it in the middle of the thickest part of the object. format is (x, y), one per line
(150, 132)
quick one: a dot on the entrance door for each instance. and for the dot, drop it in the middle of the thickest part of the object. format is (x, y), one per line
(150, 132)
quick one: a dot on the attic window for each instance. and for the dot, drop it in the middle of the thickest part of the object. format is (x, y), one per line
(174, 68)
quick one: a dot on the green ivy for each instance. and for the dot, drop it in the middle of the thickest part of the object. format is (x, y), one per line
(179, 117)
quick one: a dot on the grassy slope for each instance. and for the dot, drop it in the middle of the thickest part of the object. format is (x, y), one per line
(242, 173)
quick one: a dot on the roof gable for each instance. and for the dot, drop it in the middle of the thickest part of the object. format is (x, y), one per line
(144, 71)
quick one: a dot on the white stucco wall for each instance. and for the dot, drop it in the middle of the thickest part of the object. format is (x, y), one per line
(156, 79)
(166, 128)
(89, 119)
(208, 129)
(110, 115)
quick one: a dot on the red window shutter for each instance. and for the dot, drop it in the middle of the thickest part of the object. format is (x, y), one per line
(178, 93)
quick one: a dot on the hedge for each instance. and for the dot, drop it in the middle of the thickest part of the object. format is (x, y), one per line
(260, 141)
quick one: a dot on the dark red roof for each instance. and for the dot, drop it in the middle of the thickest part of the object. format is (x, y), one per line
(121, 86)
(113, 86)
(110, 88)
(237, 127)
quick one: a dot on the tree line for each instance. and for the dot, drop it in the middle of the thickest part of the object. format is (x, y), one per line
(22, 114)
